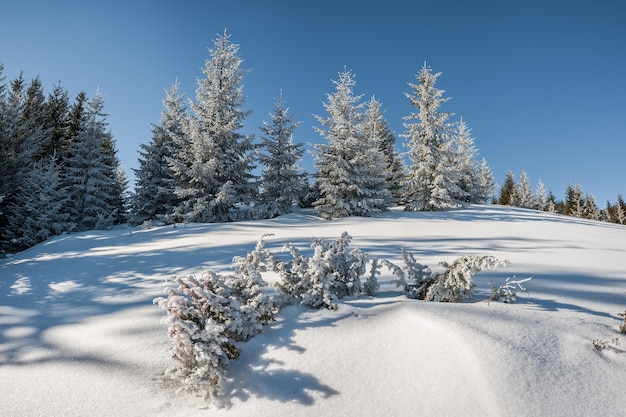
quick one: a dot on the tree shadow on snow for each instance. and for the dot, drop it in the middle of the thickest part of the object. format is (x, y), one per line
(258, 373)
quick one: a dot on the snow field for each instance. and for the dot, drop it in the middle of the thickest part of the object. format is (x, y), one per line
(79, 334)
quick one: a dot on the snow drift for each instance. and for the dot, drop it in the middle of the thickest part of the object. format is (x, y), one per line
(79, 334)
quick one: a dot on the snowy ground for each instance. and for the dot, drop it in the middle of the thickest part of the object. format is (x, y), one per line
(79, 335)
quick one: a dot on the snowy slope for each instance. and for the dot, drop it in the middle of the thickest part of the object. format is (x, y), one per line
(79, 334)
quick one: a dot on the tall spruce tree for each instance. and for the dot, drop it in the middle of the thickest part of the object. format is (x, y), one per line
(154, 197)
(432, 181)
(215, 173)
(91, 171)
(351, 167)
(476, 179)
(283, 182)
(377, 128)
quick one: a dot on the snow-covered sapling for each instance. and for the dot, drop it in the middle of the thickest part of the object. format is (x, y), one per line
(455, 283)
(196, 319)
(415, 278)
(507, 292)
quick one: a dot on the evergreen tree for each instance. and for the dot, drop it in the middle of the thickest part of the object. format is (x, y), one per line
(283, 182)
(39, 209)
(91, 167)
(154, 196)
(21, 137)
(432, 182)
(574, 201)
(476, 179)
(507, 191)
(523, 193)
(376, 126)
(215, 173)
(351, 168)
(620, 210)
(57, 121)
(541, 197)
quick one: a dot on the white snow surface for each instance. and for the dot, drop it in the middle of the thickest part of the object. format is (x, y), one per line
(80, 336)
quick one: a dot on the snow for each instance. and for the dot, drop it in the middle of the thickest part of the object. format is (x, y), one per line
(79, 334)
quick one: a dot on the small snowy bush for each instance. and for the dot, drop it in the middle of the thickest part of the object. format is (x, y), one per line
(196, 319)
(622, 327)
(331, 273)
(455, 283)
(601, 344)
(206, 316)
(415, 278)
(507, 292)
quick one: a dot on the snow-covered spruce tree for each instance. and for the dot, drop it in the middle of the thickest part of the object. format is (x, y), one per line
(40, 206)
(283, 182)
(21, 138)
(351, 167)
(574, 201)
(154, 196)
(90, 171)
(523, 192)
(378, 130)
(455, 283)
(330, 274)
(214, 175)
(433, 180)
(476, 179)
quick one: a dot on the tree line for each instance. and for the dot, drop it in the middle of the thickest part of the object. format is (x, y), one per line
(199, 168)
(59, 168)
(61, 173)
(576, 203)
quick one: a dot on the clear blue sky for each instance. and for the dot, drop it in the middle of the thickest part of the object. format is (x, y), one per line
(541, 83)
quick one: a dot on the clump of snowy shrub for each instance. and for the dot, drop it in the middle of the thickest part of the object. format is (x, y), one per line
(415, 278)
(601, 344)
(331, 273)
(454, 284)
(622, 327)
(507, 292)
(207, 315)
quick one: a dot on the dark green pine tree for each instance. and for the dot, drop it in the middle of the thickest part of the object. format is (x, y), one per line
(508, 189)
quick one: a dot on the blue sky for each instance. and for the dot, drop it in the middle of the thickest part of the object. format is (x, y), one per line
(542, 84)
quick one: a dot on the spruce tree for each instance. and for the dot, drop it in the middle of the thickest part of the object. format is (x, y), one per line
(154, 197)
(523, 193)
(507, 191)
(476, 179)
(90, 172)
(351, 168)
(283, 182)
(215, 173)
(378, 129)
(40, 208)
(432, 182)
